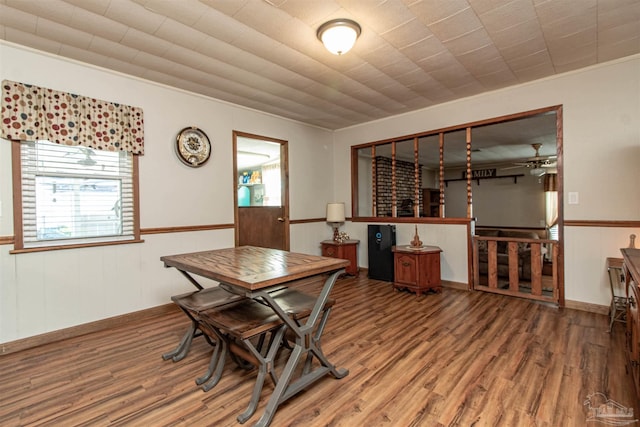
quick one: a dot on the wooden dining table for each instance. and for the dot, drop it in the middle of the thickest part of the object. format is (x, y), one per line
(253, 272)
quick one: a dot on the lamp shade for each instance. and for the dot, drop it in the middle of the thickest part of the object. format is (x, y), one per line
(339, 35)
(335, 212)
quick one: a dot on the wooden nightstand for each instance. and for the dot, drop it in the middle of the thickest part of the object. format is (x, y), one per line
(417, 270)
(346, 250)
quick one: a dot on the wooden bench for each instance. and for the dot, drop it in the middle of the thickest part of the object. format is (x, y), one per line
(192, 303)
(241, 328)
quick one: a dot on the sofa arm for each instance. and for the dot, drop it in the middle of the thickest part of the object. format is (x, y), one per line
(524, 260)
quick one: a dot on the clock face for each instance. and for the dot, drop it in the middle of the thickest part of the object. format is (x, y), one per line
(193, 146)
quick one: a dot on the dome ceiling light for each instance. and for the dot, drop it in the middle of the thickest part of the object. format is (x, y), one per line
(339, 35)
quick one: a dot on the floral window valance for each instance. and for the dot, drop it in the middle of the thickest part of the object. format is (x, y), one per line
(31, 112)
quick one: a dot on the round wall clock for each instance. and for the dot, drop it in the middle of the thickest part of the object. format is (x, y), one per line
(193, 146)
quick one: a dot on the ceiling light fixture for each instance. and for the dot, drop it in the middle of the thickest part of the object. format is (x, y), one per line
(339, 35)
(537, 171)
(247, 159)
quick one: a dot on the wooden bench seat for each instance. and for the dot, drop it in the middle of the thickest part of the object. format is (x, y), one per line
(205, 299)
(192, 303)
(297, 304)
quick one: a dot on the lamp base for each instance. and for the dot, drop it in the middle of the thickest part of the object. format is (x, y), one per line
(336, 233)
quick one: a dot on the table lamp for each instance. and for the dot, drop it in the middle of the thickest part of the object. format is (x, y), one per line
(335, 216)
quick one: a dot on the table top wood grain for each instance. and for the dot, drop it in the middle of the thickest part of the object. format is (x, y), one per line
(253, 268)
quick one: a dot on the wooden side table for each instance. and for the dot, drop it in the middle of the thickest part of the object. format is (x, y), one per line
(346, 250)
(417, 269)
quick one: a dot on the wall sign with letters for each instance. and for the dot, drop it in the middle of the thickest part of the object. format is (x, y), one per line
(480, 173)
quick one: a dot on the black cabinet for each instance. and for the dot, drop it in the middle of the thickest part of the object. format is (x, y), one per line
(381, 240)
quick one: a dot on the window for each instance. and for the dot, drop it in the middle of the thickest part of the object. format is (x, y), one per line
(75, 195)
(271, 179)
(437, 173)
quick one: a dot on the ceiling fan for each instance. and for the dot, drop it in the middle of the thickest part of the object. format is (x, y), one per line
(87, 160)
(538, 164)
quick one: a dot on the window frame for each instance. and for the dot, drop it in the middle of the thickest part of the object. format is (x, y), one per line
(440, 133)
(18, 225)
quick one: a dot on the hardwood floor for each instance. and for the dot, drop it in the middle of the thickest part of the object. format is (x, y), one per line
(451, 359)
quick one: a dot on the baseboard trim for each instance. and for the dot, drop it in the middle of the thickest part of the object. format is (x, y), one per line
(574, 305)
(111, 322)
(586, 306)
(86, 328)
(455, 285)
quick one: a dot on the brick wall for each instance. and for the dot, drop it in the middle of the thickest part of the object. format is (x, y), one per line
(405, 185)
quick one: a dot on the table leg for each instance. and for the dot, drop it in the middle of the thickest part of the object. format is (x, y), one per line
(306, 342)
(281, 387)
(183, 347)
(213, 363)
(265, 367)
(220, 359)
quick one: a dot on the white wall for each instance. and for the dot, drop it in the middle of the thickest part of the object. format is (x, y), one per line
(500, 202)
(601, 126)
(46, 291)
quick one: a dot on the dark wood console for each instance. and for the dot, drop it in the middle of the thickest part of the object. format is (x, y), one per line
(631, 268)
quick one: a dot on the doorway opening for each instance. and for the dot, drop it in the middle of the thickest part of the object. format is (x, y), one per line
(261, 191)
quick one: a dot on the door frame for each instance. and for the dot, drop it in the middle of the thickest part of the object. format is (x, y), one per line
(284, 181)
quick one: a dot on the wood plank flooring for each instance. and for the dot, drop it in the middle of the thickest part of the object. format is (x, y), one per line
(451, 359)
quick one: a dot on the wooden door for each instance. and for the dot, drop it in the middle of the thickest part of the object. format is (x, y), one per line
(262, 219)
(262, 226)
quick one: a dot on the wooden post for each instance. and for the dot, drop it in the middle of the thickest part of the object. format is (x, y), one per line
(441, 205)
(469, 198)
(416, 180)
(374, 179)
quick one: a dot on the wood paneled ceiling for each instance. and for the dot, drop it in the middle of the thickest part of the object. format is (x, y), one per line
(264, 54)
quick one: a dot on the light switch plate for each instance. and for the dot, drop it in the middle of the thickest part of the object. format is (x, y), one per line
(573, 198)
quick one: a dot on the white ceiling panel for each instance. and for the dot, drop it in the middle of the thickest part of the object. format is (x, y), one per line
(180, 34)
(98, 7)
(134, 15)
(485, 6)
(507, 16)
(458, 25)
(387, 16)
(97, 24)
(469, 42)
(18, 19)
(186, 11)
(54, 10)
(32, 40)
(433, 11)
(265, 54)
(534, 72)
(83, 55)
(110, 49)
(63, 34)
(407, 34)
(144, 42)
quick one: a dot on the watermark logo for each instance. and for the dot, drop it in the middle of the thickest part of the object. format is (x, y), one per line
(605, 411)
